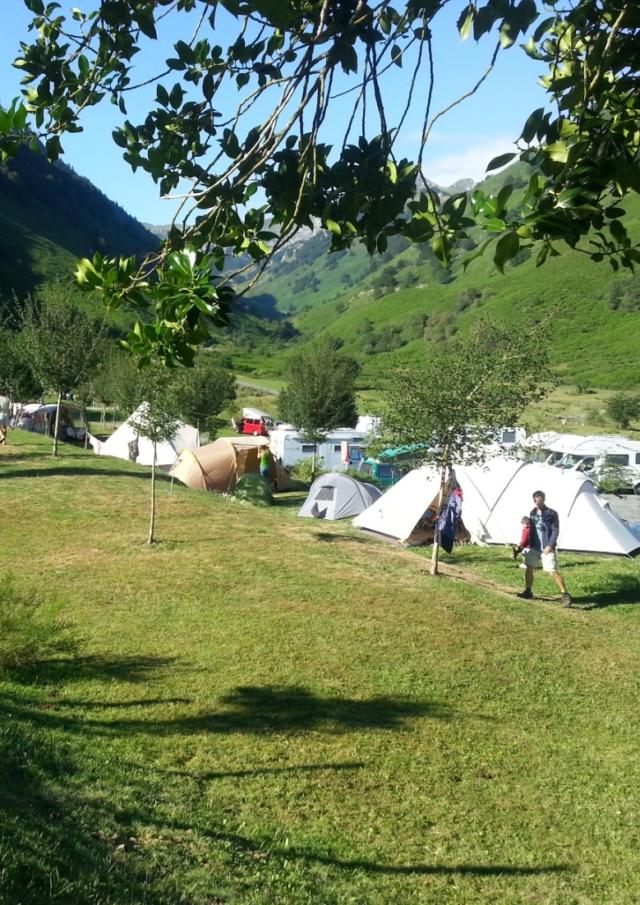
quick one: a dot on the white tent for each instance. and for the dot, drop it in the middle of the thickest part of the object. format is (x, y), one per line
(400, 512)
(495, 497)
(126, 443)
(334, 496)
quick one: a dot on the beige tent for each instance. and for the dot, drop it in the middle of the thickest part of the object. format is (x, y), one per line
(218, 465)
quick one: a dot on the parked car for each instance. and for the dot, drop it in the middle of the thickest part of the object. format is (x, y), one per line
(383, 473)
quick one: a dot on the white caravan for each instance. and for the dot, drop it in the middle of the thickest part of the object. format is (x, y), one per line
(605, 459)
(343, 448)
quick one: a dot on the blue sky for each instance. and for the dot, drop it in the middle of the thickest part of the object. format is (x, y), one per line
(461, 144)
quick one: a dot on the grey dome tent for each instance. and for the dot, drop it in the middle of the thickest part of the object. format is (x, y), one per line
(334, 496)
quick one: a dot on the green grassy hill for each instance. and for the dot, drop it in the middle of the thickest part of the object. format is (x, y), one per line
(49, 216)
(382, 309)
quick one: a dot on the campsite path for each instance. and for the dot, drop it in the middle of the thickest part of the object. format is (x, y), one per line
(458, 574)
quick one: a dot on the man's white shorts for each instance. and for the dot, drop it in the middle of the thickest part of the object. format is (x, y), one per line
(547, 561)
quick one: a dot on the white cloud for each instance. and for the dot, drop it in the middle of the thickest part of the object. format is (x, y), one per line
(467, 159)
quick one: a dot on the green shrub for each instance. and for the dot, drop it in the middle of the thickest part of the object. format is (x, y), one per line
(302, 469)
(30, 627)
(252, 488)
(623, 408)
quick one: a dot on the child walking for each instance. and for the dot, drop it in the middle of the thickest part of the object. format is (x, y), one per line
(525, 537)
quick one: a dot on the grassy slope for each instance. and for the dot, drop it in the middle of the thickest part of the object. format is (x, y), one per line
(269, 711)
(50, 216)
(592, 345)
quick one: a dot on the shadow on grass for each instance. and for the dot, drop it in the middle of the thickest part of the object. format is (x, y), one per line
(255, 848)
(63, 843)
(95, 667)
(625, 590)
(257, 771)
(58, 844)
(326, 537)
(11, 458)
(74, 471)
(252, 710)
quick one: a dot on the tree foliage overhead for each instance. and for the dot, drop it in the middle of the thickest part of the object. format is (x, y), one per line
(238, 128)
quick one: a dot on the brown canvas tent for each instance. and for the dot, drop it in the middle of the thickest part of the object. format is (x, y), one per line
(218, 465)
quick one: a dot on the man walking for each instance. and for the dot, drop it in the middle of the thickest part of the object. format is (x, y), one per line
(545, 527)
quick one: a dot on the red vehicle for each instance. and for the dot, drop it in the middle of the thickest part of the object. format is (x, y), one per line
(258, 427)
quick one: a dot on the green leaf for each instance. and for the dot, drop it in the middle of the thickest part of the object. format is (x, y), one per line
(86, 275)
(333, 227)
(176, 96)
(533, 123)
(618, 231)
(508, 35)
(208, 86)
(500, 161)
(503, 196)
(278, 12)
(557, 151)
(349, 58)
(396, 55)
(507, 248)
(465, 21)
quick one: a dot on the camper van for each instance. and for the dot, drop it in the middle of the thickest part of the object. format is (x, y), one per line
(616, 470)
(606, 460)
(342, 448)
(253, 422)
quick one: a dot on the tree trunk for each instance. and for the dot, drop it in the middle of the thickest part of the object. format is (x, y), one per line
(435, 553)
(152, 520)
(313, 463)
(57, 424)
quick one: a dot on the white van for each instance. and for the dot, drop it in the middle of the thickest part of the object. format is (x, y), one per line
(610, 461)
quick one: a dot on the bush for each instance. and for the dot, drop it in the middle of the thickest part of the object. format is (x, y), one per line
(30, 627)
(302, 469)
(623, 409)
(252, 488)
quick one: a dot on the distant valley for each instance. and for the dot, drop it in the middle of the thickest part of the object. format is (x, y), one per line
(380, 310)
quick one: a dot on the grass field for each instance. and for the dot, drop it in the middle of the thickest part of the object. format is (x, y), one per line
(267, 710)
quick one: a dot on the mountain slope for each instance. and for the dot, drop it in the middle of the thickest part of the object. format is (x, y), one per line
(48, 217)
(382, 309)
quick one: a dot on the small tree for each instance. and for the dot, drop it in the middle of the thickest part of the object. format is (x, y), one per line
(118, 381)
(17, 380)
(157, 420)
(63, 345)
(451, 406)
(623, 408)
(203, 391)
(320, 395)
